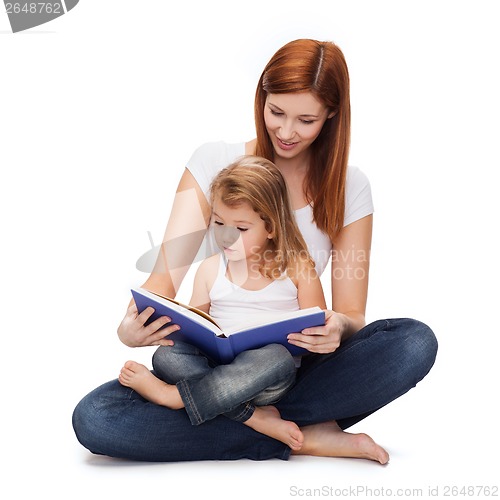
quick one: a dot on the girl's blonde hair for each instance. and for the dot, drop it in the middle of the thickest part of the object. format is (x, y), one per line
(259, 183)
(319, 67)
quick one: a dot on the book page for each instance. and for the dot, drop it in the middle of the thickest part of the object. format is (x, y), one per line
(267, 318)
(201, 313)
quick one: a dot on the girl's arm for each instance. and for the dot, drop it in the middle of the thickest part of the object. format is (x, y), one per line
(185, 230)
(203, 282)
(309, 288)
(350, 267)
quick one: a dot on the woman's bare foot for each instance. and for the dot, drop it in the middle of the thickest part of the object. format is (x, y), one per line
(267, 420)
(139, 378)
(329, 440)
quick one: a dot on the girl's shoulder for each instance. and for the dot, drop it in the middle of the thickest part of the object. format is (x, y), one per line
(208, 269)
(210, 264)
(301, 267)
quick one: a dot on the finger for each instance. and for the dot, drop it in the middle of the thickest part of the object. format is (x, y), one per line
(315, 330)
(157, 324)
(317, 349)
(164, 342)
(313, 343)
(305, 338)
(145, 315)
(132, 308)
(161, 335)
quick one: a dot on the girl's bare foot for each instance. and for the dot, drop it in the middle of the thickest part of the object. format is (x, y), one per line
(329, 440)
(139, 378)
(267, 420)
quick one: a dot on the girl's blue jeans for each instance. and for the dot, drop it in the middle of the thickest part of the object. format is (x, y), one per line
(254, 378)
(378, 364)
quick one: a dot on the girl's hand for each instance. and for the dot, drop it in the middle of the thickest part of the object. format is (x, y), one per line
(321, 339)
(133, 333)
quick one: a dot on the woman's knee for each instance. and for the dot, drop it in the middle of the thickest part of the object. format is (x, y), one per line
(90, 414)
(419, 344)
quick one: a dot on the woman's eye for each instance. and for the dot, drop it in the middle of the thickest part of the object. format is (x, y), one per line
(307, 122)
(276, 113)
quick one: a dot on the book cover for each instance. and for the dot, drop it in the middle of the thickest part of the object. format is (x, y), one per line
(199, 329)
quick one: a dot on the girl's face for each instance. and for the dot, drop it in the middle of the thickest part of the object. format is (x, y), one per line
(239, 230)
(293, 121)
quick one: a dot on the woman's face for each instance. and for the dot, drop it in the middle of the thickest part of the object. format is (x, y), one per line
(293, 121)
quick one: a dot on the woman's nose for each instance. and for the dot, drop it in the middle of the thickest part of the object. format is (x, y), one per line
(286, 131)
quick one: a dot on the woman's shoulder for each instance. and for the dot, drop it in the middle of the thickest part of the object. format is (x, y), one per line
(356, 178)
(358, 195)
(217, 152)
(211, 157)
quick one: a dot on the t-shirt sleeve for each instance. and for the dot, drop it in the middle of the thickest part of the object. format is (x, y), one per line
(359, 201)
(208, 159)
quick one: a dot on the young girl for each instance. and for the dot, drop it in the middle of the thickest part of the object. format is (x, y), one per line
(265, 266)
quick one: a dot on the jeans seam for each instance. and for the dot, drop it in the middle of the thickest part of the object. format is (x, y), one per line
(247, 410)
(189, 404)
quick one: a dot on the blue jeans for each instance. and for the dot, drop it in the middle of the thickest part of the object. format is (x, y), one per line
(378, 364)
(256, 377)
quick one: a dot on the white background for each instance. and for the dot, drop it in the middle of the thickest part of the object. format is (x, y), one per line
(99, 112)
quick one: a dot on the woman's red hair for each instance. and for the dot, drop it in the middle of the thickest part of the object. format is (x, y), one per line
(318, 67)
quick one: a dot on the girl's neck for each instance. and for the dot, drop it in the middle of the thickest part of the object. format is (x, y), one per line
(246, 273)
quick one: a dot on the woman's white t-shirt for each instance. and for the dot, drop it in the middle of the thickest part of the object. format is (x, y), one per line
(210, 158)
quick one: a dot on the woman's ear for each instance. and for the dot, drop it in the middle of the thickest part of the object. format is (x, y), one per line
(331, 115)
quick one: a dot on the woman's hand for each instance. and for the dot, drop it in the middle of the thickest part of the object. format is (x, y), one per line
(321, 339)
(133, 333)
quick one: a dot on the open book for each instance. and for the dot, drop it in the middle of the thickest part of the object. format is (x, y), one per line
(199, 329)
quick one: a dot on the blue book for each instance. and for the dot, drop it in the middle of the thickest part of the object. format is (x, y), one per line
(199, 329)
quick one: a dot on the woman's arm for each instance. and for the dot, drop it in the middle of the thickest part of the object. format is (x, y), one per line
(185, 230)
(350, 267)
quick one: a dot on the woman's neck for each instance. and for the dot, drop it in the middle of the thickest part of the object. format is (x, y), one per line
(294, 171)
(293, 167)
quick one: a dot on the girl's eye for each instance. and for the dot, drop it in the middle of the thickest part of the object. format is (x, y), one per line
(218, 223)
(242, 229)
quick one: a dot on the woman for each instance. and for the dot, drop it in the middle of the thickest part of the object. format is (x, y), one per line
(302, 113)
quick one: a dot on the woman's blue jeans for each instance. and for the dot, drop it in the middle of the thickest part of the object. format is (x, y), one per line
(256, 377)
(378, 364)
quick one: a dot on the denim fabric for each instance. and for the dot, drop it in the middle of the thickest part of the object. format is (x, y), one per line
(254, 378)
(375, 366)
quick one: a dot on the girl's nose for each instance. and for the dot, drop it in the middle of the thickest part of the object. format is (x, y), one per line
(230, 235)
